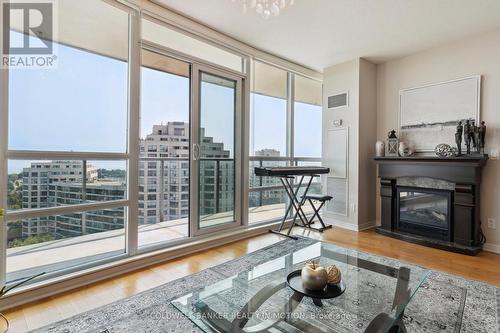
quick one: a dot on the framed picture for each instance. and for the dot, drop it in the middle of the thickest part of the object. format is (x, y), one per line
(429, 114)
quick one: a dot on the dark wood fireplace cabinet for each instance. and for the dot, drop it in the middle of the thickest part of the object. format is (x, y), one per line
(432, 201)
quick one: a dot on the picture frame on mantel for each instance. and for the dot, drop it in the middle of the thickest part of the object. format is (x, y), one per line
(428, 115)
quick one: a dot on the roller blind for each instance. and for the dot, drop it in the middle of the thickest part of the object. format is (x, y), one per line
(308, 91)
(175, 40)
(165, 64)
(92, 25)
(269, 80)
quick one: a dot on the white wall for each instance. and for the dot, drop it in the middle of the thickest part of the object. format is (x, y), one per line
(339, 79)
(358, 78)
(474, 55)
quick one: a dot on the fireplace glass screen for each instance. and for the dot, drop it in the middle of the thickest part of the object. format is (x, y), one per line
(424, 208)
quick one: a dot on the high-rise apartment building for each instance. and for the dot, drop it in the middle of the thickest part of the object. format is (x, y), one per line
(36, 181)
(164, 175)
(163, 185)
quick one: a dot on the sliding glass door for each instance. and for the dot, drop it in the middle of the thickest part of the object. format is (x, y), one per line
(216, 157)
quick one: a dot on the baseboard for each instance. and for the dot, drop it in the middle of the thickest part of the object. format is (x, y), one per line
(490, 247)
(367, 225)
(350, 226)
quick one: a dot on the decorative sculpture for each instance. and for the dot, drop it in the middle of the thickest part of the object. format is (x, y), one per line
(458, 137)
(474, 136)
(467, 135)
(444, 150)
(334, 275)
(482, 136)
(314, 277)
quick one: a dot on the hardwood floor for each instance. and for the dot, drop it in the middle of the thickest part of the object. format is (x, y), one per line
(484, 267)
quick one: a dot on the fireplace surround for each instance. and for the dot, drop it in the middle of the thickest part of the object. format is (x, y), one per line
(432, 201)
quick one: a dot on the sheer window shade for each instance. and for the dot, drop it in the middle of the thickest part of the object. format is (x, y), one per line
(308, 91)
(162, 35)
(269, 80)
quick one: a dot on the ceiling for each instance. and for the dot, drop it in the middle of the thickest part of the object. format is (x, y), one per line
(320, 33)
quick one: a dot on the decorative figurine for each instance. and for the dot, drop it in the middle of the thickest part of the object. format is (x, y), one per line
(474, 135)
(482, 136)
(392, 144)
(458, 137)
(467, 135)
(380, 149)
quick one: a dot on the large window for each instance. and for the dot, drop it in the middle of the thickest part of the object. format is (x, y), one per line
(67, 145)
(283, 131)
(133, 141)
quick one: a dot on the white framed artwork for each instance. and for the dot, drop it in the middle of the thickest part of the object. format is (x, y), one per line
(429, 114)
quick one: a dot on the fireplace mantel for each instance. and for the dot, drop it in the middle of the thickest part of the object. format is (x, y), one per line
(464, 175)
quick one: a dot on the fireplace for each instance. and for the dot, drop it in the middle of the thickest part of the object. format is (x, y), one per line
(425, 212)
(432, 201)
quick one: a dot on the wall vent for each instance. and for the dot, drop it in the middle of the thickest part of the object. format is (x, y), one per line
(337, 101)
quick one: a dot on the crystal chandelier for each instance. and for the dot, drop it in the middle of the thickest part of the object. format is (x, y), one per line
(266, 8)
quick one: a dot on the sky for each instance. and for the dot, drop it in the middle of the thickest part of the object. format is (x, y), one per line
(82, 106)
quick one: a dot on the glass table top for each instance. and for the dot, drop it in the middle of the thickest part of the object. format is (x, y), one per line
(259, 300)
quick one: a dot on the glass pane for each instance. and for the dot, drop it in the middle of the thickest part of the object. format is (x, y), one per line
(42, 184)
(315, 188)
(265, 205)
(307, 119)
(53, 243)
(172, 39)
(268, 115)
(268, 126)
(66, 108)
(164, 150)
(217, 121)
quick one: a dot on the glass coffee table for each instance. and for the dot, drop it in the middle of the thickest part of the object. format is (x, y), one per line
(259, 300)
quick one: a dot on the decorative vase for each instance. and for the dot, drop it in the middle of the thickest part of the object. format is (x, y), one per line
(380, 149)
(404, 150)
(314, 277)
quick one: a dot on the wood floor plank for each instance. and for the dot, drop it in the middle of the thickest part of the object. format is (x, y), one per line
(484, 267)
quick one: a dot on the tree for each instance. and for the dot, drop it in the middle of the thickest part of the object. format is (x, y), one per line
(30, 240)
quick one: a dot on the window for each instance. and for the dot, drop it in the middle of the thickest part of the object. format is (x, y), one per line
(307, 117)
(69, 112)
(272, 110)
(66, 107)
(268, 109)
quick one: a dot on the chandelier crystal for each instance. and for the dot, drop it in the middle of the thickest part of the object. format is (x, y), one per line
(266, 8)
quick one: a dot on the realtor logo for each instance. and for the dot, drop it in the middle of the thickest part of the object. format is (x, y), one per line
(28, 34)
